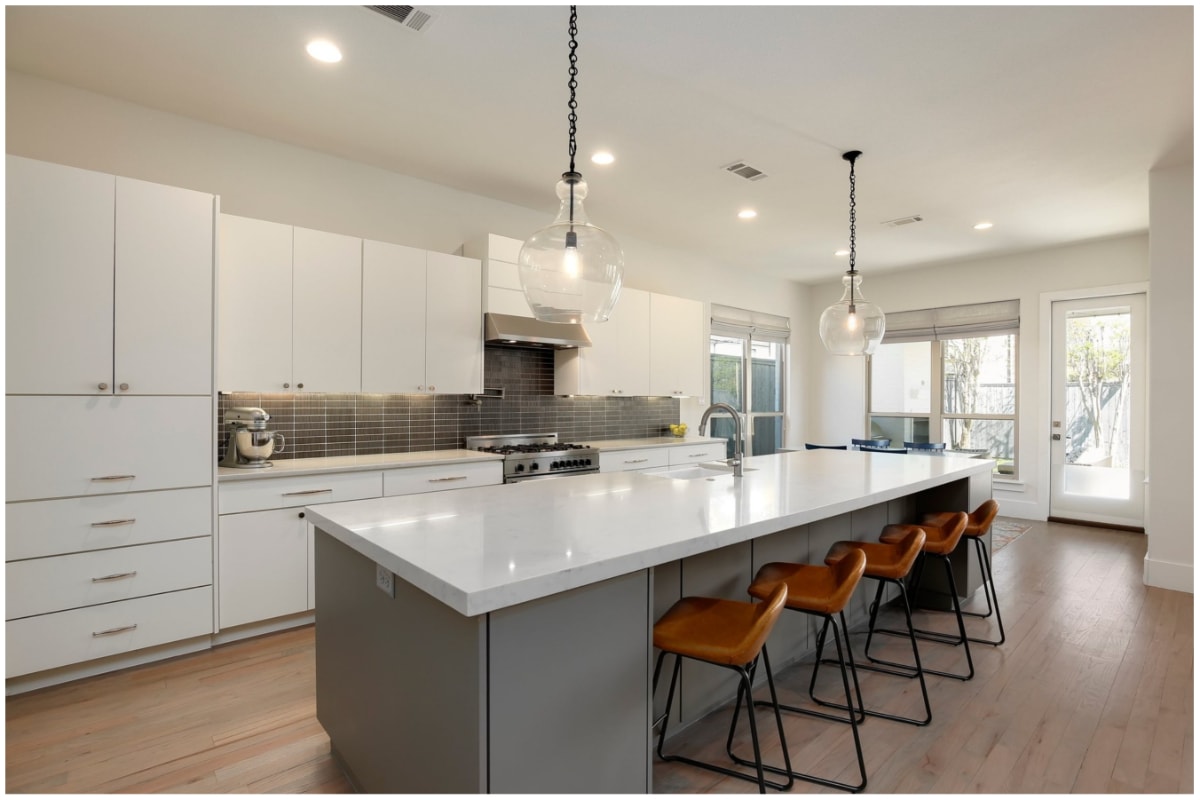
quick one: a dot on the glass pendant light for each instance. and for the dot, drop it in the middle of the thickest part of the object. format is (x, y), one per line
(852, 326)
(571, 270)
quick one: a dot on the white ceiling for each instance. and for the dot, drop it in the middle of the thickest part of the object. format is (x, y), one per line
(1042, 120)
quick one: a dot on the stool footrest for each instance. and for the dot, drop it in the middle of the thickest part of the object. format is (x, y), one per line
(902, 671)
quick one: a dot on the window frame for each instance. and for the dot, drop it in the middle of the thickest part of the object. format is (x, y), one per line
(748, 337)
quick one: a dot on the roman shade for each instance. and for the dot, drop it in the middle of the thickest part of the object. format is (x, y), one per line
(953, 322)
(742, 323)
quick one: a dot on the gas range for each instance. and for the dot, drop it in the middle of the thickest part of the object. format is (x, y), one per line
(537, 455)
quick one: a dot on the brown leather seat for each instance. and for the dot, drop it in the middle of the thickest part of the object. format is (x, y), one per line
(726, 632)
(812, 587)
(942, 532)
(979, 520)
(891, 560)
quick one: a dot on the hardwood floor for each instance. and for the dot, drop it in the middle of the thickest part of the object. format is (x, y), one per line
(1091, 693)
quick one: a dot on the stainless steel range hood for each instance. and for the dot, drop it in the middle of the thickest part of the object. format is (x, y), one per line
(529, 332)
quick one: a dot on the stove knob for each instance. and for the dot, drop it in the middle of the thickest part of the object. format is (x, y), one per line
(575, 463)
(533, 466)
(588, 462)
(554, 465)
(520, 468)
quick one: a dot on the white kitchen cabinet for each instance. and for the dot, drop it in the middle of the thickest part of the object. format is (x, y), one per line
(109, 284)
(421, 321)
(677, 346)
(630, 460)
(692, 453)
(501, 282)
(254, 339)
(262, 565)
(417, 480)
(290, 308)
(326, 311)
(618, 362)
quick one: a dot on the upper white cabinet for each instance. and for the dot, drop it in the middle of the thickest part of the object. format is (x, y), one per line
(676, 346)
(502, 293)
(122, 268)
(618, 362)
(290, 308)
(422, 321)
(326, 311)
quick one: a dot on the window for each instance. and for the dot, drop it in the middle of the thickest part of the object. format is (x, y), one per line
(955, 383)
(741, 338)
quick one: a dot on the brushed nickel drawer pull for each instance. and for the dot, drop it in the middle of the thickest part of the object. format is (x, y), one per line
(452, 478)
(108, 523)
(698, 455)
(113, 631)
(116, 576)
(637, 461)
(308, 491)
(114, 478)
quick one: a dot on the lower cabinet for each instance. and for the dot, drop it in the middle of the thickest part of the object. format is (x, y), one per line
(655, 458)
(263, 566)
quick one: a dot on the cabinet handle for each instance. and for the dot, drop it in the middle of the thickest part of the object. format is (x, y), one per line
(116, 576)
(637, 461)
(452, 478)
(308, 491)
(698, 455)
(102, 387)
(109, 523)
(124, 387)
(112, 631)
(104, 478)
(287, 386)
(432, 388)
(301, 515)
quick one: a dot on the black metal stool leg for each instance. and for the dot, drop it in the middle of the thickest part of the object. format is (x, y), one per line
(989, 592)
(962, 629)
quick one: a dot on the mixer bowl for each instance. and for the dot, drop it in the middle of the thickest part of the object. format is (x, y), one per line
(256, 445)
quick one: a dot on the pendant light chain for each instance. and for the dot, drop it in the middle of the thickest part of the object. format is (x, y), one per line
(572, 84)
(852, 214)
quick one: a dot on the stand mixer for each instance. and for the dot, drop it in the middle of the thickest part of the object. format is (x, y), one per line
(250, 444)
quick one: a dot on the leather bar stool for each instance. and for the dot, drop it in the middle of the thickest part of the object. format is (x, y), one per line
(942, 534)
(729, 634)
(978, 523)
(887, 563)
(821, 591)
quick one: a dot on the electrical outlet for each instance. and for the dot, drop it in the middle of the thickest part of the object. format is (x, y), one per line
(385, 581)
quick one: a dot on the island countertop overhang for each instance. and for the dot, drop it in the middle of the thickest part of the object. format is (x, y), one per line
(483, 549)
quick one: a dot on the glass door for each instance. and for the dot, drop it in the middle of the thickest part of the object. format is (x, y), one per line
(1097, 431)
(749, 373)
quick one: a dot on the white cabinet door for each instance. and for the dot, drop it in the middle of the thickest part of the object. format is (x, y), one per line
(454, 325)
(676, 346)
(262, 566)
(393, 318)
(618, 362)
(164, 290)
(59, 284)
(254, 351)
(326, 312)
(629, 460)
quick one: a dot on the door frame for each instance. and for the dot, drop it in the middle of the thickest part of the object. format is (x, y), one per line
(1046, 300)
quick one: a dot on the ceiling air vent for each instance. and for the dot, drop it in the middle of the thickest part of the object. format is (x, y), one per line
(902, 221)
(742, 169)
(408, 16)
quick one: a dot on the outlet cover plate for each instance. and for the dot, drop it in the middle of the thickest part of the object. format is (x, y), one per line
(385, 581)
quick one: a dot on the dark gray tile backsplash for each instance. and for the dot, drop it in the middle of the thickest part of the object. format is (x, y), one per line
(318, 425)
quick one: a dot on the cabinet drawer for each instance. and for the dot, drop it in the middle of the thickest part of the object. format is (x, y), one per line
(58, 583)
(622, 460)
(80, 446)
(55, 527)
(263, 566)
(69, 637)
(691, 453)
(435, 479)
(305, 490)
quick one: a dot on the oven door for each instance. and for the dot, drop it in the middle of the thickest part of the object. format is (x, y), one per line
(522, 478)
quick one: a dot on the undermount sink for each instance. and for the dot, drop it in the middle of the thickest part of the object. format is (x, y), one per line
(709, 469)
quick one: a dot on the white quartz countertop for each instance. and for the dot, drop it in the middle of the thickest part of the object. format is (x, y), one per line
(483, 549)
(318, 466)
(658, 441)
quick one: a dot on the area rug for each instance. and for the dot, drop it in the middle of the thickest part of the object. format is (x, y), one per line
(1006, 531)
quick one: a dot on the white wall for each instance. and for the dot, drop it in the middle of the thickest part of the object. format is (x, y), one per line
(266, 179)
(837, 399)
(1171, 468)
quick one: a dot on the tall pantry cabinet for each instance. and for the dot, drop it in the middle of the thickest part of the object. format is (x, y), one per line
(109, 383)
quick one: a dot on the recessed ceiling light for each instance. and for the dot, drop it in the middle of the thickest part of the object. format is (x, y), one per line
(747, 213)
(323, 50)
(983, 226)
(842, 253)
(602, 158)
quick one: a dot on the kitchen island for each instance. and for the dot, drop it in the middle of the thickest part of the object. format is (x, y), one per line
(509, 648)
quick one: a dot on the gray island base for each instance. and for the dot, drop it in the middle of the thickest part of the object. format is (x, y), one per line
(515, 655)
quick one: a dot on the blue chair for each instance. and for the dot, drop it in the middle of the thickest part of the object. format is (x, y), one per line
(925, 445)
(808, 446)
(900, 450)
(871, 442)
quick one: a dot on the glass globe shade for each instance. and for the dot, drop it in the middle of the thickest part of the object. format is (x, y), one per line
(571, 270)
(852, 334)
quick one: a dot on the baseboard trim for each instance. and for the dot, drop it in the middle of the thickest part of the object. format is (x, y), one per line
(1112, 526)
(1168, 575)
(100, 666)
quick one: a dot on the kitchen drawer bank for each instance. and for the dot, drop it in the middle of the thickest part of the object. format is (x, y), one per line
(541, 597)
(263, 521)
(624, 455)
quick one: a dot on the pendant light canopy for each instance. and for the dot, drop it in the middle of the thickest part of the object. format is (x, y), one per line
(852, 326)
(571, 270)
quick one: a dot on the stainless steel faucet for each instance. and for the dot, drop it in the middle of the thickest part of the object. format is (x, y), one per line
(736, 461)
